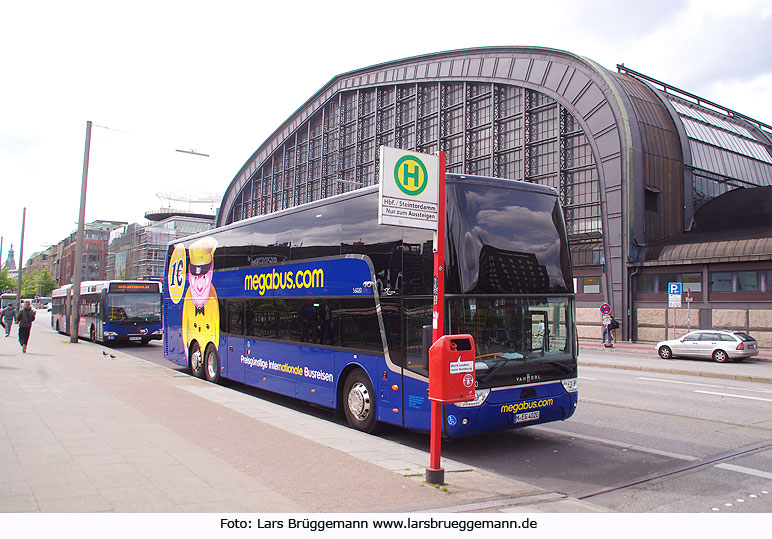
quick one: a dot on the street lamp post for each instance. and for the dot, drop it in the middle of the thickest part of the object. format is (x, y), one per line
(77, 270)
(21, 257)
(77, 273)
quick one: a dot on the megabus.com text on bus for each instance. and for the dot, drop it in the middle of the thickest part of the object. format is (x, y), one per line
(287, 280)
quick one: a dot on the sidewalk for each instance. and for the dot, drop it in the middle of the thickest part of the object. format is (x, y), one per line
(643, 357)
(84, 428)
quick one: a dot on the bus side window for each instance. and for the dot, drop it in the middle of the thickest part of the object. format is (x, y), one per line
(223, 307)
(236, 317)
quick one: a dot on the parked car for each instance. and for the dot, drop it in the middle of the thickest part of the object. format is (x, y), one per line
(719, 345)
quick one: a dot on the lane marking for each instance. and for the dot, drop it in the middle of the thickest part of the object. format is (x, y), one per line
(732, 395)
(703, 385)
(623, 445)
(747, 471)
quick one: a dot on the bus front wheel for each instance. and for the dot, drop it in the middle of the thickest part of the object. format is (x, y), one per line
(196, 361)
(359, 401)
(212, 364)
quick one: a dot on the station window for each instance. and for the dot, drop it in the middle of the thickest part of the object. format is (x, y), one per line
(646, 283)
(692, 281)
(748, 281)
(591, 285)
(658, 283)
(651, 199)
(741, 281)
(721, 281)
(665, 279)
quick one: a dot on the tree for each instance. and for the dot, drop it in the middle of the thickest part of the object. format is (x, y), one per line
(37, 283)
(5, 282)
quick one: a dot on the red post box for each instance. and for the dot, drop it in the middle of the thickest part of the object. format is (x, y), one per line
(451, 369)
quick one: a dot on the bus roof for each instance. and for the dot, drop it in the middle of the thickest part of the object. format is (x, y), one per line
(449, 178)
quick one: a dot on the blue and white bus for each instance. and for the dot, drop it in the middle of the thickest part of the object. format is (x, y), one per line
(111, 311)
(320, 303)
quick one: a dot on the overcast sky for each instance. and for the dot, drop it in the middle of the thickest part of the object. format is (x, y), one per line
(220, 77)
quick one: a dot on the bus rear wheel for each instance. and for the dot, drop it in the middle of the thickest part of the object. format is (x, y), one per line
(359, 401)
(212, 364)
(196, 361)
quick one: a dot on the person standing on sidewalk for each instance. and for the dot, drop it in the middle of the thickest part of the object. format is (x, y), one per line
(8, 315)
(606, 336)
(25, 318)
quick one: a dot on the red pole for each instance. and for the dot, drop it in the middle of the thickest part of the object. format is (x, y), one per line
(434, 473)
(438, 311)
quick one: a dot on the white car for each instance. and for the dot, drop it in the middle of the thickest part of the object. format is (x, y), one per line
(719, 345)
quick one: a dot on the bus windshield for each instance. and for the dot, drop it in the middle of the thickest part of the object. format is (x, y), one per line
(517, 336)
(133, 308)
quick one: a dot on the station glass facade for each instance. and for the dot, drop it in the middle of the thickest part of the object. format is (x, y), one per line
(633, 160)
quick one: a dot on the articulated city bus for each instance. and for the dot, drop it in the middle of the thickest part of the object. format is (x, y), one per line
(320, 303)
(111, 311)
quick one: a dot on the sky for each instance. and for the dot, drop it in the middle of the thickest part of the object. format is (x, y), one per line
(218, 78)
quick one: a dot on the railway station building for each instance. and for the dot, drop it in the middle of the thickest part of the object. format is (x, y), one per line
(657, 184)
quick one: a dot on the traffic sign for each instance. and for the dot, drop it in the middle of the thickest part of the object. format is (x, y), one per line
(605, 308)
(674, 294)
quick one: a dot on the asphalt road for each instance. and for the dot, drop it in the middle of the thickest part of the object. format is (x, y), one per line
(639, 442)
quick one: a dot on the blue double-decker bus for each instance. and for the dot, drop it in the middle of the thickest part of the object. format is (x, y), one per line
(111, 311)
(320, 303)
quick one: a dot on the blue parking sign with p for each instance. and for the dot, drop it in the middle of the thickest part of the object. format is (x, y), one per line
(674, 289)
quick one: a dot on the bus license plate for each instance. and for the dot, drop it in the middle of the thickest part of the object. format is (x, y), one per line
(527, 416)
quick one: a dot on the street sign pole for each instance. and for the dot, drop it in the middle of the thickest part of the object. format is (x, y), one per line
(434, 473)
(411, 193)
(673, 302)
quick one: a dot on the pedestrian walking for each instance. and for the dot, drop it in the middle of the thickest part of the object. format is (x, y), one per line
(25, 318)
(8, 314)
(613, 327)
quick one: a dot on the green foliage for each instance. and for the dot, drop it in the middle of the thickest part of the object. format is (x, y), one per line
(5, 282)
(37, 283)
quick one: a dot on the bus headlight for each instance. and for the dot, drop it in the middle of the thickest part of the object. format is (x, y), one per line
(479, 398)
(570, 385)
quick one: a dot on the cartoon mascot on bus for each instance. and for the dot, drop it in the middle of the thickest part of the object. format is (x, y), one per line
(200, 311)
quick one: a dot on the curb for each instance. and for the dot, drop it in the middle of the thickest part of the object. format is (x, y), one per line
(725, 376)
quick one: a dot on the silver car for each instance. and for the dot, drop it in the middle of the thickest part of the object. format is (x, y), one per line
(719, 345)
